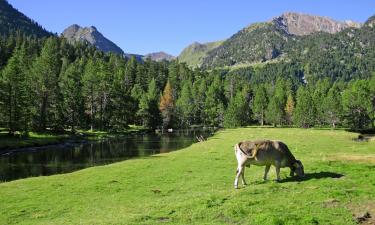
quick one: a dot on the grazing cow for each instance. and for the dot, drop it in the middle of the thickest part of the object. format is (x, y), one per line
(265, 153)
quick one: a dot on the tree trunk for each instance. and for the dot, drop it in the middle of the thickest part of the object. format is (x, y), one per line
(43, 112)
(92, 110)
(10, 125)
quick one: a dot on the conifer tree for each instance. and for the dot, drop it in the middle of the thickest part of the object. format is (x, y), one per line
(260, 104)
(90, 90)
(304, 113)
(185, 105)
(214, 103)
(46, 70)
(15, 88)
(237, 111)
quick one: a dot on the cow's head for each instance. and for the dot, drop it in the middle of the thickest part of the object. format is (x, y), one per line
(297, 168)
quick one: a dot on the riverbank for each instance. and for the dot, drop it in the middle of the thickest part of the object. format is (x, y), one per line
(195, 186)
(35, 139)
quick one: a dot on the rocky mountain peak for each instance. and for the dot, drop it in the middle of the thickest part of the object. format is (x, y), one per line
(159, 56)
(305, 24)
(90, 35)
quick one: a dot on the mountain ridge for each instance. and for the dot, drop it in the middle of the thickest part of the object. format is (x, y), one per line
(91, 35)
(264, 41)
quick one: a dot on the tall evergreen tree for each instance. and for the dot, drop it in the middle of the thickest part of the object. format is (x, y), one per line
(71, 85)
(15, 94)
(214, 103)
(46, 70)
(304, 114)
(332, 106)
(237, 111)
(260, 104)
(185, 105)
(358, 105)
(90, 90)
(148, 106)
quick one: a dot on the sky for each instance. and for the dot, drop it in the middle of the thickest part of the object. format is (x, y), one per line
(145, 26)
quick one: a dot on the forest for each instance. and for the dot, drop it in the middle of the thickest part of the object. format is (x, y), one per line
(50, 84)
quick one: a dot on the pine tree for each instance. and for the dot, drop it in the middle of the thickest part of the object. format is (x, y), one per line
(358, 105)
(166, 105)
(304, 114)
(214, 103)
(71, 86)
(16, 89)
(332, 106)
(260, 104)
(321, 89)
(148, 106)
(90, 89)
(237, 111)
(275, 109)
(46, 70)
(185, 105)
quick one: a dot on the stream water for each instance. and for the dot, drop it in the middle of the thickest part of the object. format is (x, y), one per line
(66, 158)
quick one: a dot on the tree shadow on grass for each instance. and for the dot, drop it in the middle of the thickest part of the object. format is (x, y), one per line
(310, 176)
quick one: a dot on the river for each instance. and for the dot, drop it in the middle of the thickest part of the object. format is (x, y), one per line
(67, 158)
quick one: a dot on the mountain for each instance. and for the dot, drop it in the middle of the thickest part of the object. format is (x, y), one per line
(303, 24)
(91, 35)
(194, 54)
(159, 56)
(266, 41)
(11, 20)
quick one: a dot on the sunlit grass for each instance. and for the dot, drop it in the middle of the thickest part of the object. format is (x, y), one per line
(195, 186)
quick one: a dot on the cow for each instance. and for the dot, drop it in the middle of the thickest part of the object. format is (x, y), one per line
(265, 153)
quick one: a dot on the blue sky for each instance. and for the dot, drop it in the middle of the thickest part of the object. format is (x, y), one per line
(140, 26)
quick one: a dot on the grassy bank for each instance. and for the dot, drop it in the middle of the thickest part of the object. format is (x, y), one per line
(195, 186)
(35, 139)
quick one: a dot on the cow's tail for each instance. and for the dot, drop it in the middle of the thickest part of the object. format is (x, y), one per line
(236, 149)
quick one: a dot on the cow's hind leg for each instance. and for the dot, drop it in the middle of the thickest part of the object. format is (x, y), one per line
(239, 173)
(243, 177)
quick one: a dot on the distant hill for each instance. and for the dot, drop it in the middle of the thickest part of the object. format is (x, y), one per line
(11, 20)
(265, 41)
(91, 35)
(194, 54)
(159, 56)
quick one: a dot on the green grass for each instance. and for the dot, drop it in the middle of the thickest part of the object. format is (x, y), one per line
(49, 138)
(195, 186)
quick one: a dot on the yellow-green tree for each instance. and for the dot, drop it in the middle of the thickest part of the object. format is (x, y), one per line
(166, 105)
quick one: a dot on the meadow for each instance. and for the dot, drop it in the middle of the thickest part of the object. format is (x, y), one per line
(195, 186)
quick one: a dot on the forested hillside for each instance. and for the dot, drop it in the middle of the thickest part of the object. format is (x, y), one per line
(323, 80)
(11, 21)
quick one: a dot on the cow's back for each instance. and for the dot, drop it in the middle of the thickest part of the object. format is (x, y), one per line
(267, 152)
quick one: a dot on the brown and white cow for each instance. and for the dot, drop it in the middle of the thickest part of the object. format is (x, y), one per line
(265, 153)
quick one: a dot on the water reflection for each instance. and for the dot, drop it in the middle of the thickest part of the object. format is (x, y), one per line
(63, 159)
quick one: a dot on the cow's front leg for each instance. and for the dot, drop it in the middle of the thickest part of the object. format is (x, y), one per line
(239, 172)
(277, 172)
(266, 172)
(243, 177)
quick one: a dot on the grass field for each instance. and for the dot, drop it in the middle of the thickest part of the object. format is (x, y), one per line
(195, 186)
